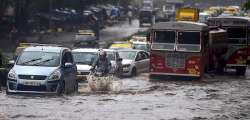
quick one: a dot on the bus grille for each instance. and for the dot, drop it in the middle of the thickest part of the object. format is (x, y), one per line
(175, 60)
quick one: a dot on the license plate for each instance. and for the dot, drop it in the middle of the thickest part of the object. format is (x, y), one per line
(31, 83)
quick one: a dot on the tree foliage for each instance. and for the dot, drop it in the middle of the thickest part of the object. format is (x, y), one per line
(247, 5)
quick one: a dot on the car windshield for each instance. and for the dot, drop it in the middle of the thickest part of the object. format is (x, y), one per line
(130, 55)
(84, 37)
(39, 58)
(140, 47)
(110, 55)
(84, 57)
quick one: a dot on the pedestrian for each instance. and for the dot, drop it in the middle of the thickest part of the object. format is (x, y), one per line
(130, 15)
(94, 24)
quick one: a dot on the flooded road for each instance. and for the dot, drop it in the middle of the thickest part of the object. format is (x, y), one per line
(214, 98)
(223, 98)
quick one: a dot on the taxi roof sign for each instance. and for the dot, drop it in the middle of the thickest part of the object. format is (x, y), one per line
(187, 14)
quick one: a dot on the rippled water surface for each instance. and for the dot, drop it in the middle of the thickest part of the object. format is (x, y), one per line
(222, 98)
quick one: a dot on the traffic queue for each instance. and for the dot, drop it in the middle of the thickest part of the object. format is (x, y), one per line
(54, 69)
(183, 48)
(188, 48)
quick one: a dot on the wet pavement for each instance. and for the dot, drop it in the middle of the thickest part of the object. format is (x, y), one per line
(224, 97)
(216, 98)
(120, 30)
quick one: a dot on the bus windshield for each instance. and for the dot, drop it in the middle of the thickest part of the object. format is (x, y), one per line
(188, 41)
(164, 40)
(145, 14)
(237, 35)
(189, 37)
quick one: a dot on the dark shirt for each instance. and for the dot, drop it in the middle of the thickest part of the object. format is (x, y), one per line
(102, 65)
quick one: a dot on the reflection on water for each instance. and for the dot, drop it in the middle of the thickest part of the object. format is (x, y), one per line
(222, 98)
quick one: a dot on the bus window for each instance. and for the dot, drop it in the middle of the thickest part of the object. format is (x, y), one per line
(165, 37)
(164, 40)
(188, 41)
(237, 35)
(189, 37)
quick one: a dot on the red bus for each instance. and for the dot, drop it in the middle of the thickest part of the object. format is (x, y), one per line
(237, 52)
(178, 49)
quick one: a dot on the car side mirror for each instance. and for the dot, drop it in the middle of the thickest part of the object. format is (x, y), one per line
(11, 63)
(68, 65)
(137, 59)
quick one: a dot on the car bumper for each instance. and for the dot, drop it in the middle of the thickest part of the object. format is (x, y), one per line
(46, 87)
(126, 72)
(82, 77)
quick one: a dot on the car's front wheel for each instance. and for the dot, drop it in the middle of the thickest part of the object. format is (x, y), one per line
(7, 89)
(7, 92)
(60, 88)
(76, 87)
(133, 72)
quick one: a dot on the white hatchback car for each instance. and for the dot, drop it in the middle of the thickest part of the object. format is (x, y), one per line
(134, 61)
(84, 57)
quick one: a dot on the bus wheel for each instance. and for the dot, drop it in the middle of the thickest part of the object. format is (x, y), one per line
(240, 70)
(153, 77)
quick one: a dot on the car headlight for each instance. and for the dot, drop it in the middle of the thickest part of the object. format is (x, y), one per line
(126, 66)
(56, 75)
(12, 75)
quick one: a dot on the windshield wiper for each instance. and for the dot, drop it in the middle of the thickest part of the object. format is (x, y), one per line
(33, 60)
(43, 61)
(83, 63)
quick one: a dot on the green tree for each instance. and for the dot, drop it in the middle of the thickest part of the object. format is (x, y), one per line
(246, 6)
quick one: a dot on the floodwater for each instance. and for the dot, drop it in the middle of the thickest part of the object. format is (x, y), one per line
(223, 98)
(214, 98)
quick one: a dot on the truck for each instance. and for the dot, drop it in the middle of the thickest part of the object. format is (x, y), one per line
(146, 16)
(187, 14)
(168, 9)
(148, 4)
